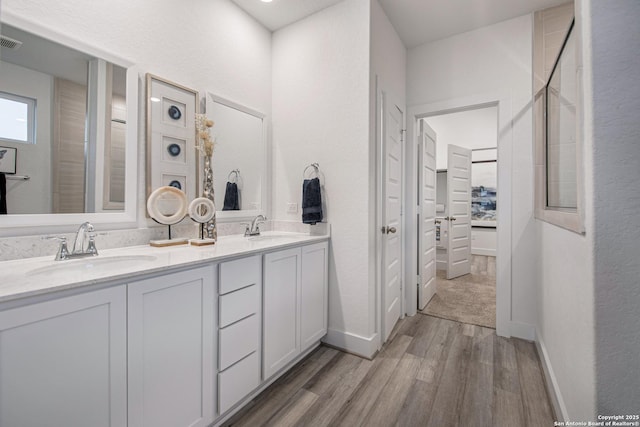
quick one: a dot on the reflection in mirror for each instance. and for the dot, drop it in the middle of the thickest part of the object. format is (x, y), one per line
(65, 112)
(561, 91)
(239, 158)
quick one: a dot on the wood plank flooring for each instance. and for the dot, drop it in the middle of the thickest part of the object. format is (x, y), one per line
(432, 372)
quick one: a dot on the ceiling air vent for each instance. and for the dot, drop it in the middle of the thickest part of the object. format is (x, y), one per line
(9, 43)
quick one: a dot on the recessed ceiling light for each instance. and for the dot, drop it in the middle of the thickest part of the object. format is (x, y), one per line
(154, 99)
(267, 1)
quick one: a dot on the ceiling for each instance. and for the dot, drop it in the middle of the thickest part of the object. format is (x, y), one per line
(416, 21)
(280, 13)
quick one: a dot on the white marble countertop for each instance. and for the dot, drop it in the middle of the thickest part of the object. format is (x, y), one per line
(36, 276)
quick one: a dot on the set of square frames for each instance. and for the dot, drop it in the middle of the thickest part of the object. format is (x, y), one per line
(174, 202)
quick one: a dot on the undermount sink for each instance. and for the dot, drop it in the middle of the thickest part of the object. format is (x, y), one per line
(272, 237)
(97, 263)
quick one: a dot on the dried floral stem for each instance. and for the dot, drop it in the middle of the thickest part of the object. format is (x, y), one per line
(203, 132)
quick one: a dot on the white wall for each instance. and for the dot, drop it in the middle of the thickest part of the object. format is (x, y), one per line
(206, 45)
(492, 62)
(565, 319)
(483, 241)
(33, 196)
(320, 114)
(470, 129)
(615, 91)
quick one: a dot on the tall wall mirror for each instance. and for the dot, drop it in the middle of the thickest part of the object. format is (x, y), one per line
(240, 159)
(69, 112)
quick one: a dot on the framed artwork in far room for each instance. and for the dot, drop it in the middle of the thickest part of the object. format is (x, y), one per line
(8, 157)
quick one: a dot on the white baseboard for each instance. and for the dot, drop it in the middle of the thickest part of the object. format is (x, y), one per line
(352, 343)
(431, 291)
(552, 383)
(523, 331)
(483, 251)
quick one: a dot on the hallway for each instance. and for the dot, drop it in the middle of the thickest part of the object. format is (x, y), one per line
(432, 372)
(468, 299)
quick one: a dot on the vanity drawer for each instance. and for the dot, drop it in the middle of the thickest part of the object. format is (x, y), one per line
(239, 304)
(238, 340)
(240, 273)
(238, 381)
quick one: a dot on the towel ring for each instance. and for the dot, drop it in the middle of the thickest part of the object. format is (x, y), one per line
(235, 172)
(316, 168)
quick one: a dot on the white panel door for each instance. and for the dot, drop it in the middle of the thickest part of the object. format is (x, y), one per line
(171, 358)
(459, 205)
(427, 215)
(281, 342)
(64, 362)
(392, 218)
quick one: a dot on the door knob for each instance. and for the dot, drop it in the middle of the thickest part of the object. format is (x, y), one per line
(388, 230)
(437, 221)
(450, 218)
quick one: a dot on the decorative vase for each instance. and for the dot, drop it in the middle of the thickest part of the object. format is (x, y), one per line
(210, 227)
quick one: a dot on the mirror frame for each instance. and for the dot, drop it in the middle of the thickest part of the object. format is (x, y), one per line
(23, 224)
(265, 204)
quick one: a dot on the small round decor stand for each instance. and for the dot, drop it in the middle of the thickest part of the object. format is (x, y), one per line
(167, 206)
(202, 210)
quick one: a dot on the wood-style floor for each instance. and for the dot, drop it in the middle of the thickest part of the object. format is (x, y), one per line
(432, 372)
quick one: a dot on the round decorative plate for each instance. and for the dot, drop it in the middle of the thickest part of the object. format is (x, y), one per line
(201, 210)
(174, 150)
(174, 112)
(167, 205)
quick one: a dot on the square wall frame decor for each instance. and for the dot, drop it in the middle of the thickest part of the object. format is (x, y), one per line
(172, 158)
(8, 158)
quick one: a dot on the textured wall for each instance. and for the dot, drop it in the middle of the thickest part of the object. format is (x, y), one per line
(320, 114)
(615, 41)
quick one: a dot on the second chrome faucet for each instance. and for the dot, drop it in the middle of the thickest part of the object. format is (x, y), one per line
(253, 229)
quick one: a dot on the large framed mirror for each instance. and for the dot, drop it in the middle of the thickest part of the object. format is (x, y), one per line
(240, 159)
(71, 112)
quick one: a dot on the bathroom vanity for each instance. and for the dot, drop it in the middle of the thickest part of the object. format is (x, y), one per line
(146, 336)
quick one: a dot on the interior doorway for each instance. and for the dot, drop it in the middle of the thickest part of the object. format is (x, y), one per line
(465, 221)
(488, 218)
(390, 173)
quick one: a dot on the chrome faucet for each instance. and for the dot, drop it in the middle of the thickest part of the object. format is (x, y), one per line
(253, 229)
(85, 231)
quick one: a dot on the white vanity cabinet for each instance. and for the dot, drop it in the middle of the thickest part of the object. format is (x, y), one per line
(183, 344)
(171, 332)
(64, 362)
(295, 303)
(239, 329)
